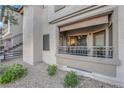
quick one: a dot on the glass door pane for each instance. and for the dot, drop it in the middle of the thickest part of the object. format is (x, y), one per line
(82, 40)
(99, 39)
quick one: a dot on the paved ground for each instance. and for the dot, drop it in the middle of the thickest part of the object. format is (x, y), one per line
(37, 77)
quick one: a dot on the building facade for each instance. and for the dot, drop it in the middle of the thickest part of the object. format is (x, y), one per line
(12, 32)
(87, 39)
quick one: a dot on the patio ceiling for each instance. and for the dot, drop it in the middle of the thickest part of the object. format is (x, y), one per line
(87, 23)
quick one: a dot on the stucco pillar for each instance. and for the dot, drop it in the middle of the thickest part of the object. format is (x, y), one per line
(32, 46)
(90, 43)
(107, 41)
(107, 36)
(120, 69)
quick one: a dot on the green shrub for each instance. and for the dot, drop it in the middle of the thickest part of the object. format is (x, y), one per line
(51, 70)
(11, 73)
(71, 79)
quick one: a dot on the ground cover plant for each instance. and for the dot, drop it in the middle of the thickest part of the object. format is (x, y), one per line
(51, 70)
(71, 79)
(11, 73)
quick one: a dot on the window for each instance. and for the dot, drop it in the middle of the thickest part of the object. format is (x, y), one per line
(79, 40)
(46, 43)
(59, 7)
(99, 38)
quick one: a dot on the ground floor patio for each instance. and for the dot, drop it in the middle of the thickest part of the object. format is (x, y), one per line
(38, 77)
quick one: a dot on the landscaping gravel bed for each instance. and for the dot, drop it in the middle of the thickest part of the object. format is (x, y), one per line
(38, 77)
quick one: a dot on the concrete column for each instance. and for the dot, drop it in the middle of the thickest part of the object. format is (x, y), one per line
(64, 41)
(58, 41)
(32, 46)
(107, 36)
(120, 69)
(90, 43)
(115, 33)
(107, 41)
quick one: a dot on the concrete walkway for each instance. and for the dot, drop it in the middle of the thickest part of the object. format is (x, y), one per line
(37, 77)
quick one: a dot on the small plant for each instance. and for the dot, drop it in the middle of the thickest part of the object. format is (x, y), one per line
(71, 79)
(11, 73)
(51, 70)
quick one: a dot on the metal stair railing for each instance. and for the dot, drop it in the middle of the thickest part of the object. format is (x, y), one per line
(10, 53)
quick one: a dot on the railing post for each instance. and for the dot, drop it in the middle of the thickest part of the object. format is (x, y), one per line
(89, 51)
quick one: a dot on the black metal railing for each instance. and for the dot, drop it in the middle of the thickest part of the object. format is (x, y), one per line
(94, 51)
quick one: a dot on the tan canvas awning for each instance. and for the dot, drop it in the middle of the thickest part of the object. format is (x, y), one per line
(86, 23)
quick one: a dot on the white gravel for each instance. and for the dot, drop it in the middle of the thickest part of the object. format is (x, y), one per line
(37, 77)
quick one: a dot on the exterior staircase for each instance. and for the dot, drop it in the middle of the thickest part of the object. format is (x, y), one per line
(11, 52)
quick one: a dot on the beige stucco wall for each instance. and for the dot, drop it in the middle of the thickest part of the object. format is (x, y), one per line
(85, 64)
(48, 56)
(52, 15)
